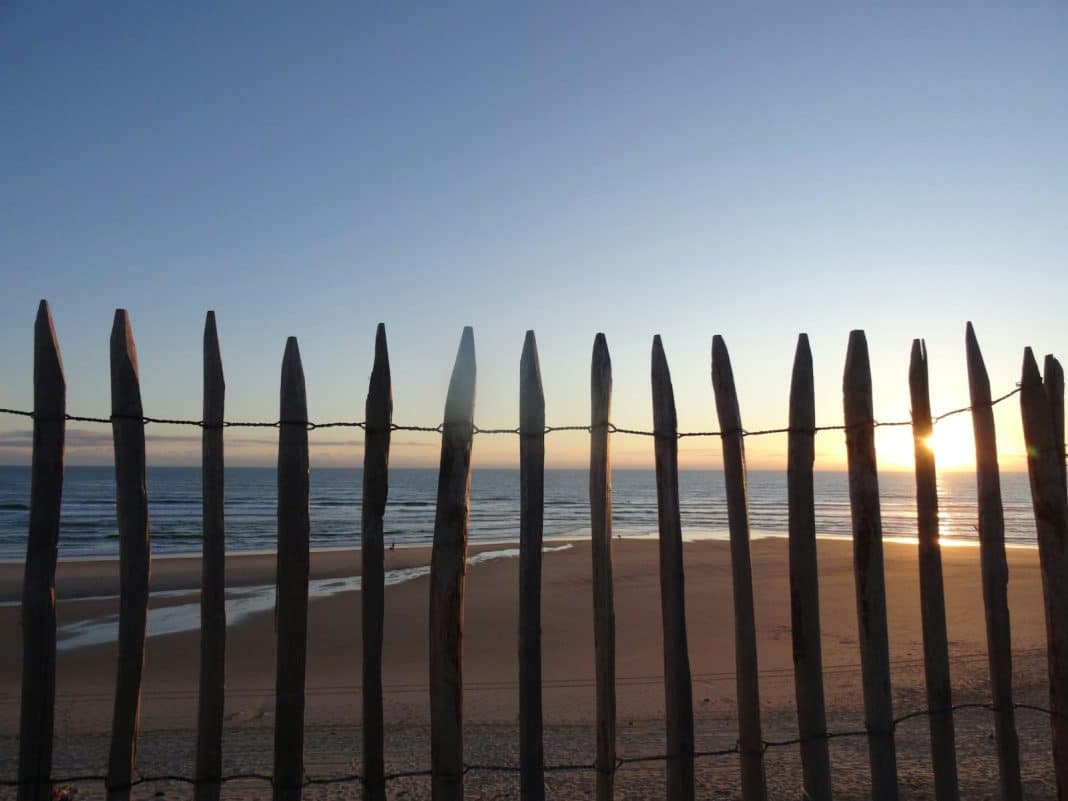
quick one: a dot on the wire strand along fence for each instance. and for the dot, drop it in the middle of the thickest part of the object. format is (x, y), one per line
(1042, 407)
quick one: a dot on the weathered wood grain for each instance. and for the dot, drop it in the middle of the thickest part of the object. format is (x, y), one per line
(868, 568)
(1053, 381)
(291, 611)
(448, 565)
(932, 597)
(128, 432)
(678, 689)
(604, 618)
(531, 518)
(750, 736)
(37, 718)
(378, 416)
(995, 570)
(1045, 467)
(213, 576)
(804, 578)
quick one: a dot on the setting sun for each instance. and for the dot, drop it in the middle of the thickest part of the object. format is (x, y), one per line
(953, 444)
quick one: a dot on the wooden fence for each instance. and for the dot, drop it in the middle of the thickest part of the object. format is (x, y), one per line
(1042, 406)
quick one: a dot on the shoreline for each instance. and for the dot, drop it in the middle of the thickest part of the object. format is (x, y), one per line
(947, 542)
(85, 675)
(87, 591)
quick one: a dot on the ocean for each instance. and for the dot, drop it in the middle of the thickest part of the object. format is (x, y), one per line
(88, 526)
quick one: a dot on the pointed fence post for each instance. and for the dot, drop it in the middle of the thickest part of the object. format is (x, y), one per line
(128, 431)
(750, 736)
(37, 720)
(448, 564)
(1045, 466)
(678, 689)
(213, 577)
(932, 598)
(804, 579)
(604, 619)
(378, 417)
(213, 581)
(291, 610)
(531, 518)
(868, 568)
(995, 570)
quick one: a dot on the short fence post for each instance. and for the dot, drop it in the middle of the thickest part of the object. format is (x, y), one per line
(531, 518)
(932, 598)
(868, 568)
(1045, 466)
(378, 417)
(128, 431)
(291, 611)
(750, 736)
(448, 564)
(604, 619)
(37, 718)
(995, 570)
(213, 577)
(678, 689)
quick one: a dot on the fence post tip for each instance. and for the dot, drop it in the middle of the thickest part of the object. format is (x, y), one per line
(1030, 377)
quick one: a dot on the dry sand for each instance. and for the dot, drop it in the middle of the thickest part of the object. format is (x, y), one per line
(86, 675)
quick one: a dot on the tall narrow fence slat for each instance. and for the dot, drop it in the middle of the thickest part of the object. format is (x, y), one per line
(448, 564)
(995, 570)
(531, 518)
(378, 416)
(128, 431)
(804, 579)
(1053, 381)
(750, 736)
(932, 597)
(1045, 463)
(678, 688)
(868, 568)
(37, 718)
(291, 610)
(213, 577)
(604, 616)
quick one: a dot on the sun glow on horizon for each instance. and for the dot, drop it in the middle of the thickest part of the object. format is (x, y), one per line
(953, 445)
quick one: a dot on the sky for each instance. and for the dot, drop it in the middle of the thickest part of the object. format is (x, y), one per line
(751, 170)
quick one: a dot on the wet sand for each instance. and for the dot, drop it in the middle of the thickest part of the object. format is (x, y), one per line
(85, 679)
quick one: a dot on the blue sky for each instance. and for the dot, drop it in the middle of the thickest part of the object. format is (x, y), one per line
(753, 170)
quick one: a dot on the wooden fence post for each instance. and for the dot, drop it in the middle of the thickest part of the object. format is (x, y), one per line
(37, 718)
(448, 564)
(804, 579)
(213, 577)
(868, 568)
(128, 431)
(531, 518)
(1053, 381)
(678, 689)
(378, 417)
(291, 610)
(604, 618)
(1045, 466)
(995, 570)
(932, 599)
(750, 736)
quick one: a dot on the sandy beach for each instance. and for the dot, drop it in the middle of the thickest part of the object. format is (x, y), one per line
(86, 674)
